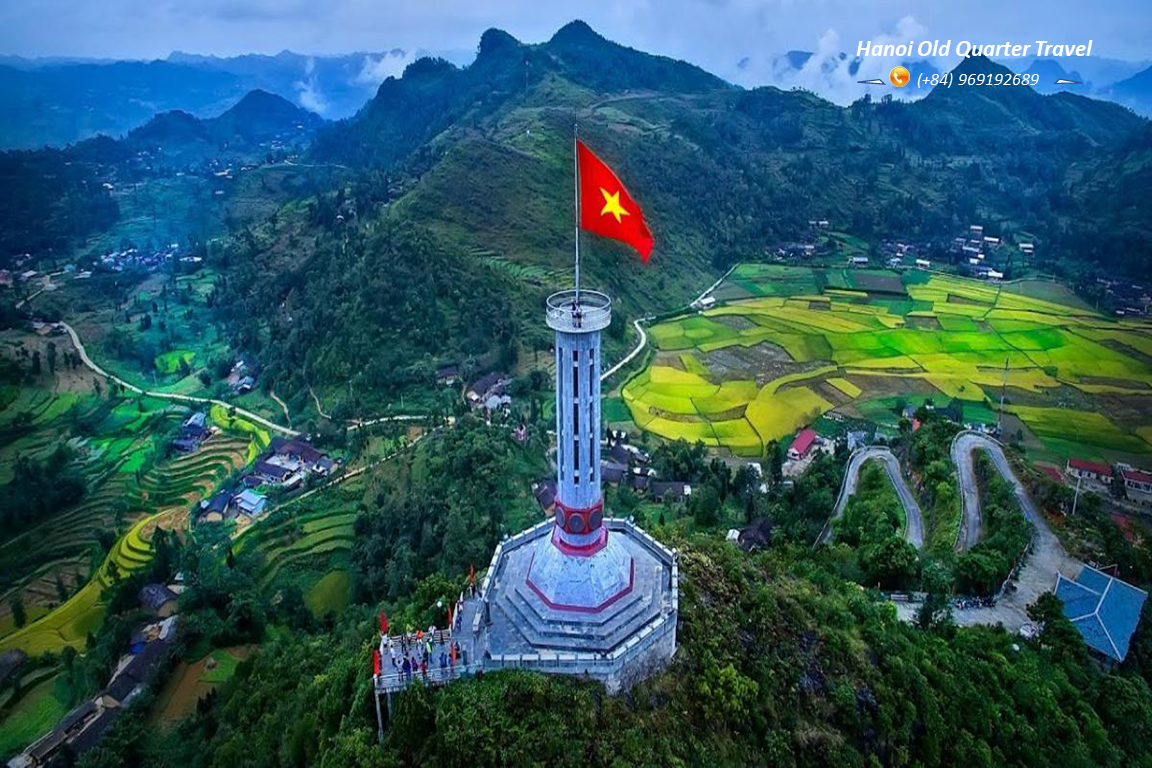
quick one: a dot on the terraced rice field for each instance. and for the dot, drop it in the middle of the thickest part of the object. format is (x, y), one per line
(792, 343)
(125, 489)
(321, 535)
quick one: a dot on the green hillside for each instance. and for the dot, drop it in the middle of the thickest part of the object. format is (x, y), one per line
(475, 163)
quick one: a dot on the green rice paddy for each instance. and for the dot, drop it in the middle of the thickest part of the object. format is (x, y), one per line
(791, 343)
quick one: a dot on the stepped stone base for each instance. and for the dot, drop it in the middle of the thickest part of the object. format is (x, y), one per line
(610, 616)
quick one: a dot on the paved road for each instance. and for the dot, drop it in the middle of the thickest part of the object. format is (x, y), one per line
(914, 520)
(635, 351)
(169, 395)
(643, 342)
(1046, 559)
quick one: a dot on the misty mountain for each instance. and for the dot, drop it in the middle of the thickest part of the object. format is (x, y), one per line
(54, 198)
(1135, 91)
(332, 86)
(59, 104)
(53, 102)
(832, 76)
(1049, 71)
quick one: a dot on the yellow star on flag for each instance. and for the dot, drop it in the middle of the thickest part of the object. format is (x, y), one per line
(612, 205)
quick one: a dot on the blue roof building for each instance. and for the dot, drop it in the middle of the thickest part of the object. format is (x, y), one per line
(251, 503)
(1104, 609)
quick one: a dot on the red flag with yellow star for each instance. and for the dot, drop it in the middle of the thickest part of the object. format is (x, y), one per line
(606, 208)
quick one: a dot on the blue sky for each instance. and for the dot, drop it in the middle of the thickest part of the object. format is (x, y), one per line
(716, 34)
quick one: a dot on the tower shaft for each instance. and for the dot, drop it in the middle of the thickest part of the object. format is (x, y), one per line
(579, 503)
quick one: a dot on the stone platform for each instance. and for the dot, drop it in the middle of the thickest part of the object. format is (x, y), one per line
(610, 616)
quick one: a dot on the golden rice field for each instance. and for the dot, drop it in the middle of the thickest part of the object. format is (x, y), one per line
(789, 344)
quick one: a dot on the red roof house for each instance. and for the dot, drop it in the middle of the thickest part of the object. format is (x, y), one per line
(803, 443)
(1090, 470)
(1137, 480)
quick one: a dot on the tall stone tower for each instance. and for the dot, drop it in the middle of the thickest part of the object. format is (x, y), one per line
(580, 594)
(584, 569)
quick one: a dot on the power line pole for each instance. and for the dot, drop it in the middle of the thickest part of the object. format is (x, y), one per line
(1003, 389)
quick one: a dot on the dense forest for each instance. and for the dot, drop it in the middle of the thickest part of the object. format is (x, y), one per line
(779, 663)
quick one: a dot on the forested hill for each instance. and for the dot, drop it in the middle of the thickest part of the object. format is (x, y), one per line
(54, 198)
(479, 161)
(722, 172)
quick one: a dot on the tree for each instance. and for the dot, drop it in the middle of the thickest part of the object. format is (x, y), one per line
(19, 615)
(1058, 636)
(52, 356)
(704, 505)
(935, 613)
(892, 564)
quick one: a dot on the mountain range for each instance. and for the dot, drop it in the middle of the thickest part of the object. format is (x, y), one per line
(55, 198)
(55, 102)
(484, 155)
(456, 205)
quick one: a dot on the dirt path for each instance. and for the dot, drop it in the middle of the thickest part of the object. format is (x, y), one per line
(316, 400)
(283, 406)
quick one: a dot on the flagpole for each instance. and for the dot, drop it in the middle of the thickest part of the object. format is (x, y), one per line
(576, 204)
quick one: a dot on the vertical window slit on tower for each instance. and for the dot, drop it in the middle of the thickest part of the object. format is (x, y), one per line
(576, 460)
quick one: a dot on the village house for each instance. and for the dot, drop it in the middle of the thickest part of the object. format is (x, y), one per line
(802, 445)
(485, 387)
(1138, 485)
(497, 403)
(250, 503)
(1088, 470)
(287, 464)
(158, 599)
(82, 728)
(545, 494)
(214, 510)
(193, 432)
(673, 490)
(613, 472)
(448, 375)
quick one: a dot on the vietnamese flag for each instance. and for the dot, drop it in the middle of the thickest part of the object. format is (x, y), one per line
(606, 208)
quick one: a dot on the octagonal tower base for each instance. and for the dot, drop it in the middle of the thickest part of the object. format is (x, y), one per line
(610, 616)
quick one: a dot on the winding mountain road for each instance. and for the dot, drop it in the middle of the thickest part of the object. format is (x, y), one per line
(1046, 559)
(914, 520)
(635, 351)
(84, 358)
(643, 342)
